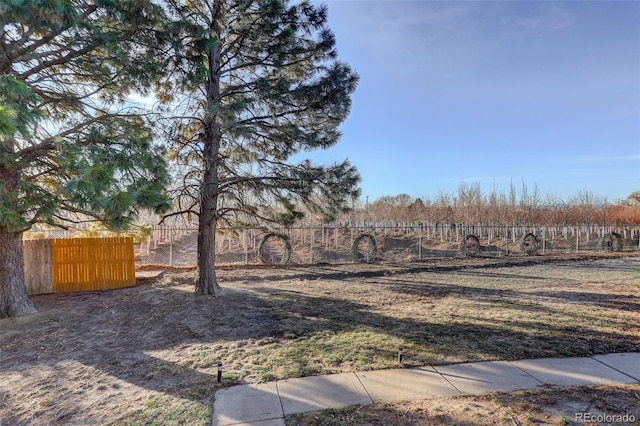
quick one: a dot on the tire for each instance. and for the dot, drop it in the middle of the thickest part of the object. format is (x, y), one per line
(529, 244)
(369, 254)
(611, 242)
(266, 252)
(470, 246)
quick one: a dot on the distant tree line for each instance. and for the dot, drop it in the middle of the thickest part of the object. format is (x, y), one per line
(470, 205)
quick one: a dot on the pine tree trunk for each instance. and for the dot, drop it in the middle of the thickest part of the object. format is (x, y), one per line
(14, 300)
(207, 281)
(209, 187)
(207, 221)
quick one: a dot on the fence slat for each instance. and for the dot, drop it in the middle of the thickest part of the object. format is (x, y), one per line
(86, 264)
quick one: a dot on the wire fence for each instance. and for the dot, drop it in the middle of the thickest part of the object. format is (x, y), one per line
(168, 246)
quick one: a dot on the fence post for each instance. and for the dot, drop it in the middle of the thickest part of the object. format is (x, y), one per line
(420, 242)
(156, 233)
(506, 244)
(170, 248)
(246, 246)
(311, 244)
(326, 243)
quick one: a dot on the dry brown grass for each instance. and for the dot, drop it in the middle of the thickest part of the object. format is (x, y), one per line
(148, 355)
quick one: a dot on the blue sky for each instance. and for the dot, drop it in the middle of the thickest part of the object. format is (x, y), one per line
(545, 92)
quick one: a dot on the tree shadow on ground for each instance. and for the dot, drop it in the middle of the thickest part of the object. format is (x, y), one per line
(89, 345)
(428, 339)
(146, 336)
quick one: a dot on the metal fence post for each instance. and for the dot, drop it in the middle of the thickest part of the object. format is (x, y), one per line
(311, 244)
(170, 248)
(246, 246)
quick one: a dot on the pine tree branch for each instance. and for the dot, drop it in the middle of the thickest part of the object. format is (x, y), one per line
(29, 154)
(51, 35)
(257, 119)
(228, 183)
(178, 213)
(57, 61)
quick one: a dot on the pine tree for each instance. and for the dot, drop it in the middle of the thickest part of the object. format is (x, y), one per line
(257, 81)
(71, 149)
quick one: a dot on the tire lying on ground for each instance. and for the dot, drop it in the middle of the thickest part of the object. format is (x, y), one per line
(367, 253)
(611, 242)
(529, 244)
(470, 246)
(274, 248)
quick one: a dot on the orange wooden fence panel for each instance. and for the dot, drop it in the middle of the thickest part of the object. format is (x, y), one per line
(85, 264)
(37, 266)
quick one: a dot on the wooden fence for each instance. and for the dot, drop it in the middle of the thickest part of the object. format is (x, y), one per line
(38, 276)
(78, 264)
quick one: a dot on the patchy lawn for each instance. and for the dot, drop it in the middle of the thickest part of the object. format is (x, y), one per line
(149, 354)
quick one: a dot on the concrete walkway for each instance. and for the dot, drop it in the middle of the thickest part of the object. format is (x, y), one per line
(266, 404)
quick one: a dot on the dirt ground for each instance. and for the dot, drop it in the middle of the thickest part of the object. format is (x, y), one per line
(149, 354)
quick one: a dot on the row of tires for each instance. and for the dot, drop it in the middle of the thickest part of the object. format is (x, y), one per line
(530, 244)
(364, 248)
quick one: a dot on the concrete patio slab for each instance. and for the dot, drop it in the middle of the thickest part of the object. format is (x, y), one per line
(627, 363)
(483, 377)
(572, 371)
(400, 385)
(320, 392)
(248, 404)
